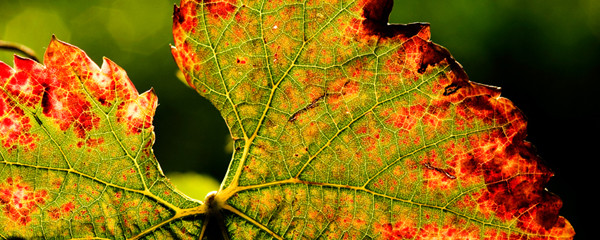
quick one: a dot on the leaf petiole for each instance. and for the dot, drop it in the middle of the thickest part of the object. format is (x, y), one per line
(20, 48)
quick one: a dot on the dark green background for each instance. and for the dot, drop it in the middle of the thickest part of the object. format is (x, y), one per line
(544, 54)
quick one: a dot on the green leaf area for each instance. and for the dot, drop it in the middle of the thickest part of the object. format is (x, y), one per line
(343, 127)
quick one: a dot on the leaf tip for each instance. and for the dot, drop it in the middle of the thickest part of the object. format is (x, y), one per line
(151, 99)
(139, 112)
(60, 52)
(23, 63)
(56, 43)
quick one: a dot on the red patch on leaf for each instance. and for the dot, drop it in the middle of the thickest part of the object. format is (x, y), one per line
(62, 87)
(68, 207)
(138, 113)
(63, 98)
(406, 118)
(513, 173)
(14, 126)
(19, 200)
(65, 209)
(240, 60)
(54, 213)
(185, 57)
(68, 108)
(220, 8)
(184, 17)
(94, 142)
(399, 230)
(23, 84)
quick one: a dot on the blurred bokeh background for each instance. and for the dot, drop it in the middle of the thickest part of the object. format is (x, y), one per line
(544, 55)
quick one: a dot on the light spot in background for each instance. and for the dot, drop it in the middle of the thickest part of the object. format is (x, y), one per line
(193, 184)
(121, 29)
(592, 10)
(130, 29)
(36, 31)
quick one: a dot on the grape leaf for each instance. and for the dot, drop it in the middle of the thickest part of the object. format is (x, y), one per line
(345, 126)
(75, 156)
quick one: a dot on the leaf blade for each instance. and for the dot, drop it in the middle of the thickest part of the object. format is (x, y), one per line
(76, 158)
(360, 107)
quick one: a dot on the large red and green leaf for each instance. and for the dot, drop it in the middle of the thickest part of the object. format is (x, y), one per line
(343, 127)
(347, 127)
(75, 156)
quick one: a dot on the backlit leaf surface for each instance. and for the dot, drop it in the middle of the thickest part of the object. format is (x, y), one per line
(344, 127)
(75, 155)
(347, 127)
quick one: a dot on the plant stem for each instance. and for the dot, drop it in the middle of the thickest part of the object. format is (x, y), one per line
(20, 48)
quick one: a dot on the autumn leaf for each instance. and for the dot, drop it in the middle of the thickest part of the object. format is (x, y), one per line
(347, 127)
(343, 127)
(76, 157)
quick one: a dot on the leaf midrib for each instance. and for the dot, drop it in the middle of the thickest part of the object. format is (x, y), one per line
(249, 140)
(444, 208)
